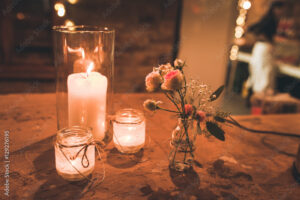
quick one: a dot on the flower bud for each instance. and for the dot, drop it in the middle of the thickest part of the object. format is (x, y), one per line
(178, 63)
(151, 105)
(153, 81)
(200, 116)
(188, 108)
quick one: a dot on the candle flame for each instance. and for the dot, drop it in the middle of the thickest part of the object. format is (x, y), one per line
(90, 68)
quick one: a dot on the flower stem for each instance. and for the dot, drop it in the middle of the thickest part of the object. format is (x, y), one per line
(167, 110)
(172, 100)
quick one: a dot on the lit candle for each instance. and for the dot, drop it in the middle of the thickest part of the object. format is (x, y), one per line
(129, 131)
(81, 64)
(66, 158)
(87, 100)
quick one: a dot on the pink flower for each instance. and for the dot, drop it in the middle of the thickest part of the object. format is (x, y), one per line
(153, 81)
(188, 108)
(200, 115)
(173, 80)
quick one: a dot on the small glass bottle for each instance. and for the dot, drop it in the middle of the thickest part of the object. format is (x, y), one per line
(129, 130)
(74, 153)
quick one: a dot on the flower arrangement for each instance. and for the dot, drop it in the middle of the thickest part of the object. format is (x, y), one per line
(193, 106)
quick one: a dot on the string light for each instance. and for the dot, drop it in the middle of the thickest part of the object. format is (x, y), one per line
(69, 23)
(72, 1)
(20, 16)
(240, 21)
(244, 6)
(60, 8)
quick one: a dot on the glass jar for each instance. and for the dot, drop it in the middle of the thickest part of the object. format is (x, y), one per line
(74, 153)
(129, 130)
(182, 145)
(84, 61)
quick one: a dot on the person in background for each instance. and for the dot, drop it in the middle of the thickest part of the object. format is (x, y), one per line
(262, 72)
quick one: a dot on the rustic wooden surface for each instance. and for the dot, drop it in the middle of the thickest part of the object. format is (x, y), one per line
(246, 166)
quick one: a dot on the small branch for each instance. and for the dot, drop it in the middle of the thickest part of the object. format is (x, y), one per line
(164, 109)
(182, 102)
(185, 88)
(235, 123)
(172, 100)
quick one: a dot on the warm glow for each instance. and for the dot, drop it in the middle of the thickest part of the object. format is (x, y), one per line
(90, 68)
(234, 52)
(58, 6)
(69, 23)
(240, 20)
(61, 12)
(20, 16)
(246, 5)
(72, 1)
(238, 34)
(239, 29)
(234, 49)
(233, 57)
(82, 53)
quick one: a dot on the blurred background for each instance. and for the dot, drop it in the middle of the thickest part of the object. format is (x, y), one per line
(211, 36)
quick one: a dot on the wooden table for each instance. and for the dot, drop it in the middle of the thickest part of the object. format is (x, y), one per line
(246, 166)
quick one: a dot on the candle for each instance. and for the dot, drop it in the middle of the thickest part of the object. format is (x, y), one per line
(66, 158)
(129, 131)
(82, 63)
(87, 100)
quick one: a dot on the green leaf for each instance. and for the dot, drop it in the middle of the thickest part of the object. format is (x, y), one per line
(215, 130)
(219, 119)
(216, 94)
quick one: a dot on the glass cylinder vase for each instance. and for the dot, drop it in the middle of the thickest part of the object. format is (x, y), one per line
(84, 61)
(182, 145)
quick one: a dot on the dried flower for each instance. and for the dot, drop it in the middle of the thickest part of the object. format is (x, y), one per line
(166, 68)
(178, 64)
(200, 116)
(188, 108)
(151, 105)
(173, 80)
(153, 81)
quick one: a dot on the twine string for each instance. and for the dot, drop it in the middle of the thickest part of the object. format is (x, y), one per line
(84, 148)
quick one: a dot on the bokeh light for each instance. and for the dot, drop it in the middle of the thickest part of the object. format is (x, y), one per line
(69, 23)
(60, 8)
(246, 5)
(72, 1)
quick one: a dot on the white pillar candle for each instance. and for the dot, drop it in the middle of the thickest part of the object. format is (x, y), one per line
(87, 101)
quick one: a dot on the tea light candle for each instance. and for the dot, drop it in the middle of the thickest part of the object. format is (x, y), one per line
(65, 157)
(87, 100)
(129, 131)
